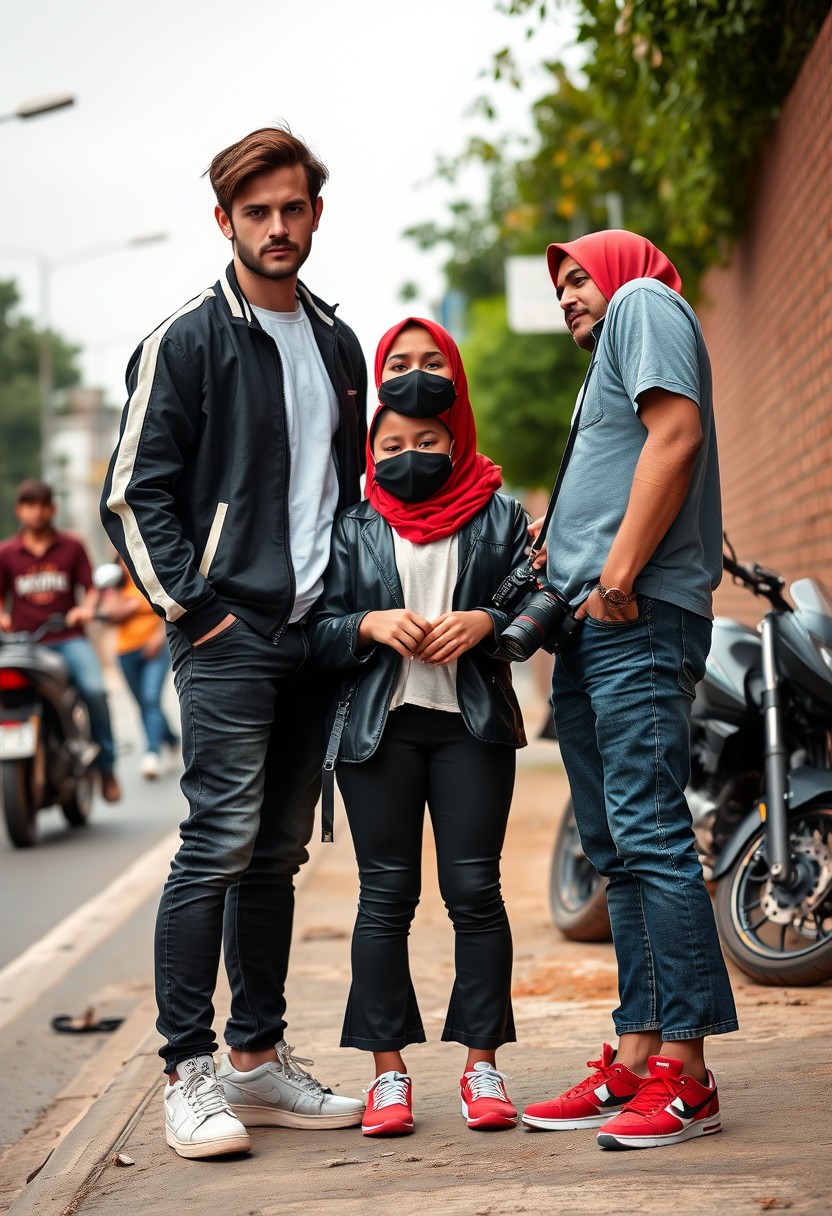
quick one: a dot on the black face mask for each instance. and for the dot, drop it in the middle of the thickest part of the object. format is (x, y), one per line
(413, 476)
(418, 394)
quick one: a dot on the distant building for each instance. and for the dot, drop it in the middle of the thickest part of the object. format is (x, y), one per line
(83, 438)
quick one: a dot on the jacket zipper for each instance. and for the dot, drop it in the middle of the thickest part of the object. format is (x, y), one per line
(286, 537)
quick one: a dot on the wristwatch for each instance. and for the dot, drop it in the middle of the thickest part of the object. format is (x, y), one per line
(614, 596)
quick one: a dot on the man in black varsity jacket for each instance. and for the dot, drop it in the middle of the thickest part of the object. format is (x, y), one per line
(242, 438)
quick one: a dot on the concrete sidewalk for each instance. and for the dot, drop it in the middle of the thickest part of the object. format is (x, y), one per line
(774, 1074)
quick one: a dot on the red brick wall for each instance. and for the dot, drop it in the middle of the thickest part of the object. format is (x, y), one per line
(767, 319)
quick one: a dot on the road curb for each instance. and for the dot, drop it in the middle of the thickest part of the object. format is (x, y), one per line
(72, 1168)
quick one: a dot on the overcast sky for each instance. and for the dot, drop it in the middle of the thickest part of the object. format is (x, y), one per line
(378, 88)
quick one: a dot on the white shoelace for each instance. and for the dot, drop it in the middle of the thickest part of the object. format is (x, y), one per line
(487, 1083)
(205, 1097)
(389, 1090)
(291, 1065)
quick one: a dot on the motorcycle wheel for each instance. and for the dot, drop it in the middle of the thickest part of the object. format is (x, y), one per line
(776, 937)
(18, 803)
(577, 892)
(77, 808)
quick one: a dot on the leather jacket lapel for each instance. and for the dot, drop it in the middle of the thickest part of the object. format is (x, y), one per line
(377, 536)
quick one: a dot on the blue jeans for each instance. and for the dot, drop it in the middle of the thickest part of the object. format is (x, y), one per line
(253, 745)
(146, 678)
(622, 695)
(87, 676)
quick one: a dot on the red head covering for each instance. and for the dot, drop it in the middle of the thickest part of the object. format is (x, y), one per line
(614, 257)
(473, 479)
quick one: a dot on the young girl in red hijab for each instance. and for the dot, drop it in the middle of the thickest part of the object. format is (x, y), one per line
(427, 716)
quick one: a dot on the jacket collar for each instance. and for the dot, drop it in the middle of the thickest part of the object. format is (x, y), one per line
(241, 310)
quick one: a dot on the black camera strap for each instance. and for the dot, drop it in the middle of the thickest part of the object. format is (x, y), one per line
(564, 461)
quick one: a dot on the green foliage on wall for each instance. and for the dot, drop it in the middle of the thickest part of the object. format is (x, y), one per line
(659, 135)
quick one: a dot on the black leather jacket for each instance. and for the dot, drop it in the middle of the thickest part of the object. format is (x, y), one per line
(362, 577)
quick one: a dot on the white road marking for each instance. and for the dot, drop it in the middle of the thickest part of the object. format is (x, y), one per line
(46, 962)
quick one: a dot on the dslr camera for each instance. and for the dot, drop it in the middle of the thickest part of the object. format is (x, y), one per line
(542, 617)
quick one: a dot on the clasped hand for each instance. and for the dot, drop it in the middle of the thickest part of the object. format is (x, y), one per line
(438, 642)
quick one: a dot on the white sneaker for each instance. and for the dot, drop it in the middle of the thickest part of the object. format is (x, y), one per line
(282, 1094)
(198, 1120)
(151, 765)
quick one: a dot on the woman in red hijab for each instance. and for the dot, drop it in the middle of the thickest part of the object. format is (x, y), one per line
(427, 715)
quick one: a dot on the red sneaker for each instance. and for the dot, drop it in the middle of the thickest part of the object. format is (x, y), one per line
(669, 1107)
(590, 1103)
(485, 1103)
(389, 1106)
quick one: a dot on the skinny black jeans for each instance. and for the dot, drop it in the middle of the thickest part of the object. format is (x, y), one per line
(429, 757)
(253, 718)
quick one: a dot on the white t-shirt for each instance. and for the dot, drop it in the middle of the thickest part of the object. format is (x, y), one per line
(311, 419)
(428, 576)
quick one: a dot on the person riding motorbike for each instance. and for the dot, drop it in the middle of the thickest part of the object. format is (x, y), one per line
(41, 571)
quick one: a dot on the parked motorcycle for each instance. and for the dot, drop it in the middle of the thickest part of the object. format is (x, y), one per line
(46, 750)
(760, 790)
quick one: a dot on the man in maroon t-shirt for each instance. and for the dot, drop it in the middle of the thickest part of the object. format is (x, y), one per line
(41, 571)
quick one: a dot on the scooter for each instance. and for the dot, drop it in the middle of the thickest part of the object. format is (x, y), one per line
(46, 750)
(760, 791)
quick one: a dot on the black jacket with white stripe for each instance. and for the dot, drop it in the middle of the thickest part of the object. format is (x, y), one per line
(196, 496)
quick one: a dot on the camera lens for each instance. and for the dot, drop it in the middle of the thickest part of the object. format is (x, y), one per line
(538, 622)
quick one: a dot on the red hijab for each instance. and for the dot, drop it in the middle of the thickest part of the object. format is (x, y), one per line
(473, 479)
(614, 257)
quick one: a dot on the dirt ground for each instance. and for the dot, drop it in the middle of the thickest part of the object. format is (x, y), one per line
(773, 1153)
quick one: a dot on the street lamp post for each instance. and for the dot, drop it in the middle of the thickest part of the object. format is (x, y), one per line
(46, 269)
(40, 105)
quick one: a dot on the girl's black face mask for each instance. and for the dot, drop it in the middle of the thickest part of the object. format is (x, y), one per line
(414, 476)
(418, 394)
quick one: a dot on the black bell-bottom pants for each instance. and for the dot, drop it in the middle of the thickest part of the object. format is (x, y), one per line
(428, 757)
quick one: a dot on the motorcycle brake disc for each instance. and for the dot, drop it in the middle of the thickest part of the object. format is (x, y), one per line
(815, 862)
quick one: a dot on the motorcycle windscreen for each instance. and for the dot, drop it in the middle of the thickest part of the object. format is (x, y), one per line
(805, 637)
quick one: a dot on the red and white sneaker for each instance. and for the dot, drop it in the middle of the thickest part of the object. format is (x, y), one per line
(485, 1103)
(389, 1106)
(590, 1103)
(668, 1108)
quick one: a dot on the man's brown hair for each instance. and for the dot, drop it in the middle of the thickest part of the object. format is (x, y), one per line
(262, 150)
(34, 490)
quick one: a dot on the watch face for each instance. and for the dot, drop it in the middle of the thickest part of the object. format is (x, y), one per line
(615, 597)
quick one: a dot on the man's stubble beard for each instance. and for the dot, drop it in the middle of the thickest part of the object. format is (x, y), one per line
(256, 265)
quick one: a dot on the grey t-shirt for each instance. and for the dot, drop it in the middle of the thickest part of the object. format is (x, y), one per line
(649, 338)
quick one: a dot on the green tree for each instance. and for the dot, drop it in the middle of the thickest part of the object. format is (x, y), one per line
(20, 399)
(682, 94)
(663, 126)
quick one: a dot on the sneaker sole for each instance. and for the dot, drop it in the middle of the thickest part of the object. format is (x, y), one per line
(394, 1127)
(702, 1128)
(493, 1121)
(258, 1116)
(567, 1125)
(208, 1148)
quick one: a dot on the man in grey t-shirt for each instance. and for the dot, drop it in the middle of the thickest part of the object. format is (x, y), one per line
(635, 545)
